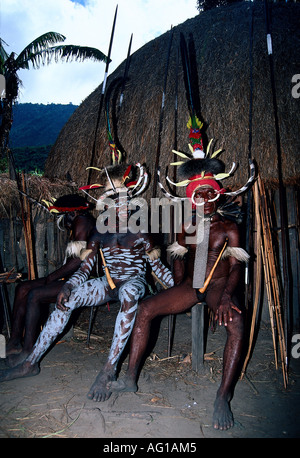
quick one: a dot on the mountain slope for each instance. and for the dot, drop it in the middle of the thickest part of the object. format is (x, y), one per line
(36, 124)
(35, 129)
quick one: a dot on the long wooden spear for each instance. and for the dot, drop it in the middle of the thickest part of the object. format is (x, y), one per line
(249, 194)
(126, 70)
(114, 143)
(161, 116)
(156, 164)
(282, 196)
(171, 318)
(102, 94)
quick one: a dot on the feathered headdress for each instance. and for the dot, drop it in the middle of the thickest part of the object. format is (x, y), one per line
(67, 203)
(116, 179)
(202, 168)
(119, 176)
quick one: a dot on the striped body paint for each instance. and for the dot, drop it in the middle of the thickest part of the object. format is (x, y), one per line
(126, 257)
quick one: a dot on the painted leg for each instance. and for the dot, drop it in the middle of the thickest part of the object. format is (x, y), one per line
(138, 345)
(54, 326)
(129, 295)
(171, 301)
(91, 293)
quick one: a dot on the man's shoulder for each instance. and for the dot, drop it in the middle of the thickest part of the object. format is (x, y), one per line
(230, 227)
(229, 223)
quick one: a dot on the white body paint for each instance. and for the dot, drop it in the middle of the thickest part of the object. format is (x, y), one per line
(127, 267)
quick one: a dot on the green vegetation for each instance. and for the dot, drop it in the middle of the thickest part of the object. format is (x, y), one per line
(40, 51)
(31, 159)
(38, 125)
(34, 131)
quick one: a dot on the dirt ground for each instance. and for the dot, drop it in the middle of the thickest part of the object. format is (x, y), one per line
(172, 401)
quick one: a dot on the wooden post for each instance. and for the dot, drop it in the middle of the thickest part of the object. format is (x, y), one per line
(50, 267)
(40, 237)
(198, 311)
(28, 234)
(293, 214)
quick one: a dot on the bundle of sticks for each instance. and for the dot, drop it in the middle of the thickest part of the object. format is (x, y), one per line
(266, 261)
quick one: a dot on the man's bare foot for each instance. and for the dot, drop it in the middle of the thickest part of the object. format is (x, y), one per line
(222, 417)
(123, 385)
(14, 360)
(22, 370)
(99, 391)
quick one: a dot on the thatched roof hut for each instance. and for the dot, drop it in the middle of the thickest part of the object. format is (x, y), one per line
(221, 38)
(38, 188)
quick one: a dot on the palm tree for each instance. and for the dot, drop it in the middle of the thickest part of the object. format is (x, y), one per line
(39, 52)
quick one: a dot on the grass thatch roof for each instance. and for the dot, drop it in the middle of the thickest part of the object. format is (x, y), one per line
(37, 188)
(221, 38)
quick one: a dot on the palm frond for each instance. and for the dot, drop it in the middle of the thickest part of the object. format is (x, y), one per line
(41, 43)
(3, 56)
(77, 53)
(67, 53)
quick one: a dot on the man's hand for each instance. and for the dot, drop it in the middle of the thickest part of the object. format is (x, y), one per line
(224, 314)
(62, 298)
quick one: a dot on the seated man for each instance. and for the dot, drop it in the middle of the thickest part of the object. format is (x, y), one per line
(125, 257)
(214, 226)
(31, 295)
(220, 299)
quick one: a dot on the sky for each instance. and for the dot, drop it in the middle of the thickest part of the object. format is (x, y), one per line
(84, 23)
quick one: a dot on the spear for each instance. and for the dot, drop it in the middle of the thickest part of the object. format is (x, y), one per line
(186, 64)
(190, 96)
(127, 65)
(282, 197)
(34, 201)
(249, 194)
(115, 85)
(171, 318)
(161, 116)
(102, 93)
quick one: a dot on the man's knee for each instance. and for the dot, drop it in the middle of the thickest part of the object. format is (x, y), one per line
(130, 293)
(24, 288)
(33, 297)
(147, 310)
(236, 326)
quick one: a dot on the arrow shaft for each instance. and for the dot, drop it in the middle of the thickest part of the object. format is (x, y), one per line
(127, 65)
(161, 117)
(102, 94)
